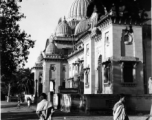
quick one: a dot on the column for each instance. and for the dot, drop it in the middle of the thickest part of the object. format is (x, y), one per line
(35, 87)
(38, 87)
(122, 67)
(103, 78)
(99, 79)
(46, 85)
(134, 72)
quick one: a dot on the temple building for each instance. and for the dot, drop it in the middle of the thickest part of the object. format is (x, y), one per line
(102, 54)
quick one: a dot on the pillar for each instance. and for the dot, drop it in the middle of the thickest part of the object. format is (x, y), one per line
(122, 67)
(134, 72)
(46, 84)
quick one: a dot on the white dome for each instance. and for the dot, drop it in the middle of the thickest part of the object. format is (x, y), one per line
(82, 26)
(78, 9)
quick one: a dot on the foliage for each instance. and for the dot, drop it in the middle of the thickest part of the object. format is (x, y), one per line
(25, 81)
(134, 9)
(15, 44)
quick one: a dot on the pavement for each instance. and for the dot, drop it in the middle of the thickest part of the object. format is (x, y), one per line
(12, 107)
(28, 113)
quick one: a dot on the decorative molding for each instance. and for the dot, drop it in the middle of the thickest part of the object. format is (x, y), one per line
(128, 36)
(76, 52)
(86, 71)
(96, 34)
(52, 67)
(129, 84)
(131, 59)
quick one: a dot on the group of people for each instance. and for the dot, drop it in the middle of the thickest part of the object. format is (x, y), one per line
(45, 109)
(19, 101)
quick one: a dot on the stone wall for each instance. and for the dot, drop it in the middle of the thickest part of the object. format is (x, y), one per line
(134, 103)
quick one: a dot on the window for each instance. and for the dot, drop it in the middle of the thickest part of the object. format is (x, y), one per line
(87, 78)
(52, 72)
(107, 42)
(64, 68)
(128, 73)
(53, 67)
(63, 84)
(87, 49)
(51, 86)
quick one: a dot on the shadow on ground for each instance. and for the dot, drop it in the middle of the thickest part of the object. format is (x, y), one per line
(19, 116)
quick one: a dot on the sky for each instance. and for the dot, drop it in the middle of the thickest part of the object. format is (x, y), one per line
(41, 20)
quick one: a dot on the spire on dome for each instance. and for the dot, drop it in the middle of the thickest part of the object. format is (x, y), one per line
(60, 20)
(63, 29)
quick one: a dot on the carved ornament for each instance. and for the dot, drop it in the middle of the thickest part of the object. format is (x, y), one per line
(96, 34)
(128, 35)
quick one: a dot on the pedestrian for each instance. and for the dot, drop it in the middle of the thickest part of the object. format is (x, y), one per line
(28, 102)
(44, 108)
(119, 111)
(18, 101)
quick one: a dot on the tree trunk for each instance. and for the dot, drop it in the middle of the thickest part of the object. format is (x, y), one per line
(9, 90)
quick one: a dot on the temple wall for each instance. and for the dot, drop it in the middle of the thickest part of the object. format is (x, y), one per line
(120, 87)
(118, 84)
(117, 39)
(72, 60)
(134, 103)
(98, 53)
(147, 44)
(57, 75)
(88, 51)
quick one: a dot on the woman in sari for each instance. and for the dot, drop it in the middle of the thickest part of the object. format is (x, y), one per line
(119, 112)
(44, 108)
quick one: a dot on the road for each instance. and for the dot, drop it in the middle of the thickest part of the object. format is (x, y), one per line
(11, 112)
(32, 116)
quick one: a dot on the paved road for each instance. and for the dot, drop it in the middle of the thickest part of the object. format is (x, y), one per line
(33, 116)
(9, 111)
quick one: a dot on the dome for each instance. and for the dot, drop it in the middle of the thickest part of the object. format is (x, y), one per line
(82, 26)
(63, 29)
(73, 23)
(40, 57)
(78, 9)
(94, 19)
(51, 48)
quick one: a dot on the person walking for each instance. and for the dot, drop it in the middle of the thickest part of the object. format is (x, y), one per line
(28, 101)
(119, 111)
(18, 101)
(44, 108)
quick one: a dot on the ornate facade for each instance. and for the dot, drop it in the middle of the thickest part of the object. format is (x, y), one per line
(106, 55)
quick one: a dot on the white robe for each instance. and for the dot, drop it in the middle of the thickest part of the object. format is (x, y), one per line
(119, 112)
(43, 109)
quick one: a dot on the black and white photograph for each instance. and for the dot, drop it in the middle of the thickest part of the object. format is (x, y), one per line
(75, 60)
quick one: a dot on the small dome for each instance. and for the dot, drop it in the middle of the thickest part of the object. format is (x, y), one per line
(73, 23)
(63, 29)
(82, 26)
(51, 48)
(78, 9)
(40, 57)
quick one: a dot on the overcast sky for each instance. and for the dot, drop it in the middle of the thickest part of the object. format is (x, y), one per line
(41, 20)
